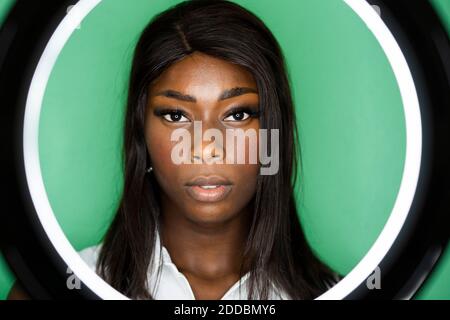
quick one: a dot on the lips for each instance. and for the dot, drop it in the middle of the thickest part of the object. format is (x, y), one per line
(208, 189)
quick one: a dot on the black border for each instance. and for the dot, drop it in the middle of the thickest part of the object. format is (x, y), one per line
(423, 238)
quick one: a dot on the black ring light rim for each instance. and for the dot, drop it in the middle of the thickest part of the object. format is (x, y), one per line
(404, 268)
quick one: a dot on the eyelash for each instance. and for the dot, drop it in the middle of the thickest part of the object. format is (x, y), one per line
(251, 111)
(164, 112)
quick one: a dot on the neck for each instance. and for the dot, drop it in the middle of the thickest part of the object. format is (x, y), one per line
(206, 251)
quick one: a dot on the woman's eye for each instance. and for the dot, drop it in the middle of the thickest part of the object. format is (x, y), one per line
(237, 116)
(175, 117)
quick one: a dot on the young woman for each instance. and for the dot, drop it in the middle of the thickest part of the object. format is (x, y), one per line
(207, 231)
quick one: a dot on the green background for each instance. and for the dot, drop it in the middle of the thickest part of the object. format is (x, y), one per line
(350, 116)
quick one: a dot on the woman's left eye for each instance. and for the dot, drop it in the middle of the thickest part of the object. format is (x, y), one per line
(238, 116)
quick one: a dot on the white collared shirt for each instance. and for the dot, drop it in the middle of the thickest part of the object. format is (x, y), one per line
(173, 285)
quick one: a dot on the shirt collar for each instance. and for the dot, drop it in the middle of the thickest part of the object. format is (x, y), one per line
(171, 284)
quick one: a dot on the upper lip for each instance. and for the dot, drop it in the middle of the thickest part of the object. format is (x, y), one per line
(208, 181)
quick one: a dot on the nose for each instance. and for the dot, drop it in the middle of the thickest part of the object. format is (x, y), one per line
(208, 142)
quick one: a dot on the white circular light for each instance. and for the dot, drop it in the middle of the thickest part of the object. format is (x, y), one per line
(413, 156)
(353, 279)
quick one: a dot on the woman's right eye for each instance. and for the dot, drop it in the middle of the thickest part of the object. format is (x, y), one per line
(175, 116)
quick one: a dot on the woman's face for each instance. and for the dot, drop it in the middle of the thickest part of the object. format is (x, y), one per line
(198, 88)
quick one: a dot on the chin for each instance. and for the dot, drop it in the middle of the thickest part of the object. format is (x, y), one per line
(210, 215)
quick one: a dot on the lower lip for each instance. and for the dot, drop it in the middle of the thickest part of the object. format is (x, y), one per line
(209, 195)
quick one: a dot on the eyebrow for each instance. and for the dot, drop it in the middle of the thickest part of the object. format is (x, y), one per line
(227, 94)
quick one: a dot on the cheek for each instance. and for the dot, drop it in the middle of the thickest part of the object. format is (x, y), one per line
(250, 176)
(245, 179)
(160, 148)
(159, 152)
(167, 173)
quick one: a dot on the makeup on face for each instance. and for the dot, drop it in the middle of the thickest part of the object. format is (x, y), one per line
(223, 97)
(208, 188)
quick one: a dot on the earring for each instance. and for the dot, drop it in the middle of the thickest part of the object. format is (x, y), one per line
(150, 169)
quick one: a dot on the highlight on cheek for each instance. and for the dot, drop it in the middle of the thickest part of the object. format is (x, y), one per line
(238, 144)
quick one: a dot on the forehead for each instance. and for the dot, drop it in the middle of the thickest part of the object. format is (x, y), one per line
(203, 71)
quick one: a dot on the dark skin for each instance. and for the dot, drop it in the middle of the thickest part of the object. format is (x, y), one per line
(205, 239)
(17, 293)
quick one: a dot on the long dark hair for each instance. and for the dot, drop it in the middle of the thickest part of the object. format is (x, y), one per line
(276, 249)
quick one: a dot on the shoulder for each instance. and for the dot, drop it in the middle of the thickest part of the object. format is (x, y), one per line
(90, 256)
(18, 293)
